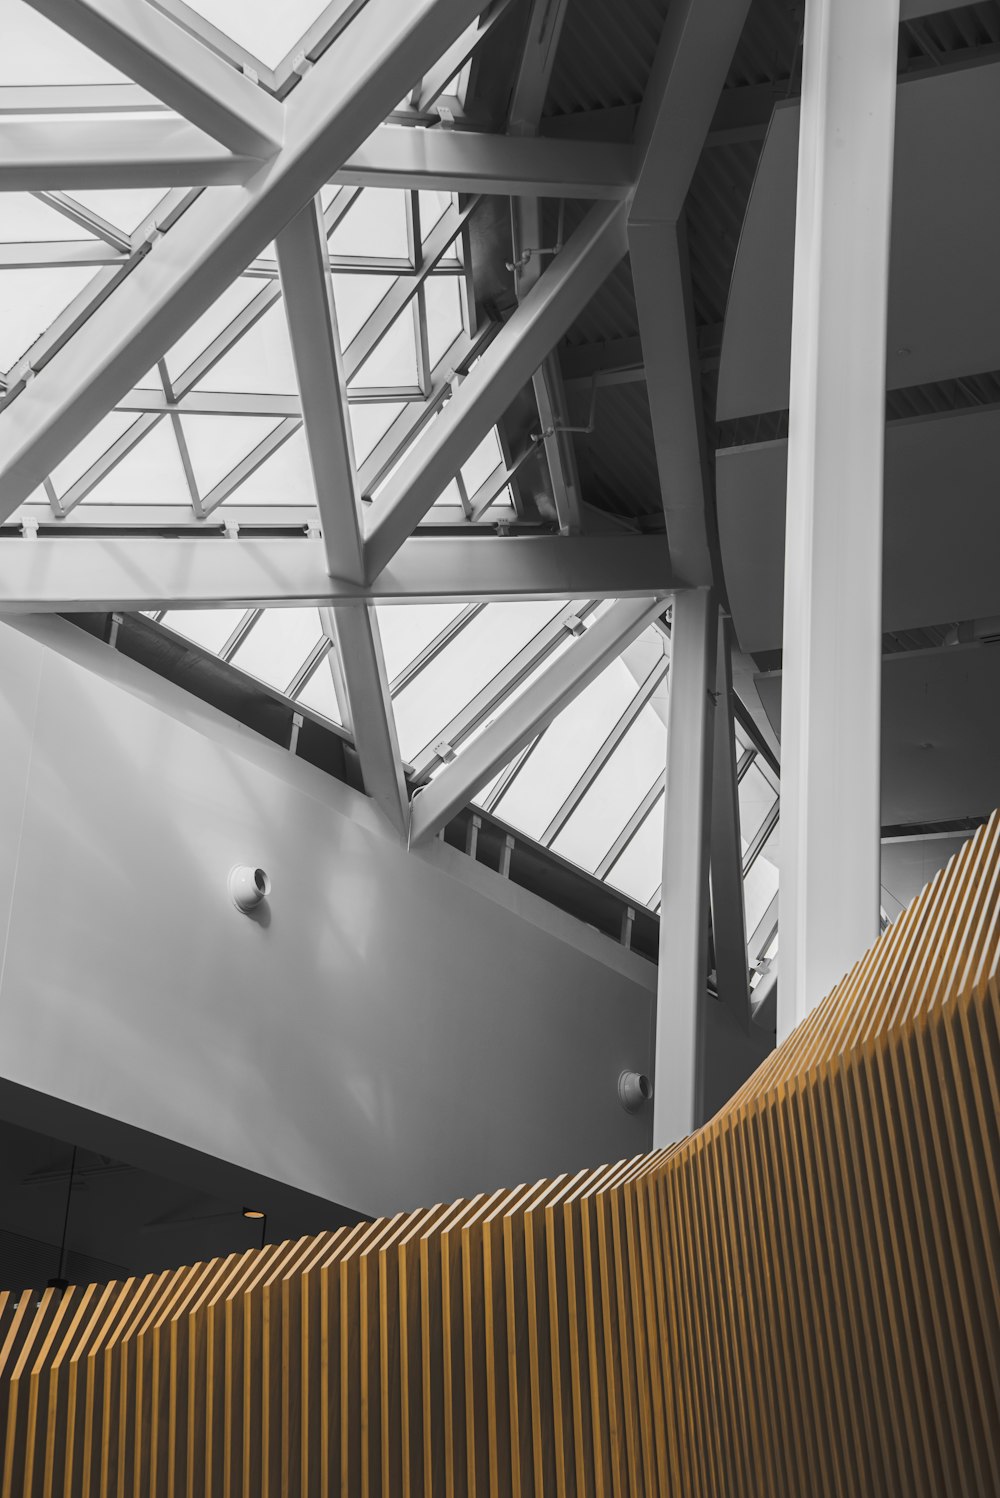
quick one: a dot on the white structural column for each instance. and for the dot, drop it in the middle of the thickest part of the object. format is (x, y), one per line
(681, 993)
(829, 900)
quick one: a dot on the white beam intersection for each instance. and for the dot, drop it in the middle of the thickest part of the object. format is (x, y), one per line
(174, 65)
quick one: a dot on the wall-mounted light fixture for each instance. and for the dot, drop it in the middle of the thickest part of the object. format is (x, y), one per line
(634, 1090)
(248, 887)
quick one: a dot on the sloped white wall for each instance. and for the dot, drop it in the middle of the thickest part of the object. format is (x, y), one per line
(400, 1028)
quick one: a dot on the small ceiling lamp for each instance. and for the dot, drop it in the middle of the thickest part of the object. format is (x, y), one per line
(254, 1213)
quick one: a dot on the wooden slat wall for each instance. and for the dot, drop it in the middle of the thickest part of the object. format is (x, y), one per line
(800, 1299)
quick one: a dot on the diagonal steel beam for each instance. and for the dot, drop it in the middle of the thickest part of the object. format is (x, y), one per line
(534, 328)
(726, 857)
(339, 102)
(179, 69)
(540, 702)
(695, 50)
(545, 23)
(87, 573)
(164, 152)
(359, 649)
(303, 262)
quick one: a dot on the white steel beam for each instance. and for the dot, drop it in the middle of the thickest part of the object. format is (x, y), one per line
(830, 711)
(161, 152)
(359, 649)
(303, 261)
(74, 573)
(545, 23)
(336, 106)
(525, 717)
(533, 329)
(179, 69)
(470, 161)
(694, 53)
(732, 971)
(681, 988)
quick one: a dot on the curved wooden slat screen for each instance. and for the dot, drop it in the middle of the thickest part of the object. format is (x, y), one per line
(800, 1299)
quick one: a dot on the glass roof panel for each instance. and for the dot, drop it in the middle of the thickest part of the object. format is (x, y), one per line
(761, 884)
(87, 452)
(150, 473)
(565, 750)
(463, 668)
(208, 627)
(211, 323)
(318, 693)
(756, 800)
(393, 364)
(443, 300)
(37, 51)
(408, 628)
(484, 461)
(640, 869)
(615, 794)
(369, 423)
(126, 208)
(265, 28)
(31, 300)
(260, 362)
(279, 644)
(433, 206)
(217, 443)
(374, 226)
(284, 478)
(25, 218)
(356, 296)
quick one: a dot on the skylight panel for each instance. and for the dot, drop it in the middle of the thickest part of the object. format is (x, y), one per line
(25, 219)
(486, 459)
(279, 645)
(761, 884)
(756, 800)
(217, 443)
(36, 51)
(264, 27)
(433, 206)
(565, 750)
(374, 227)
(30, 302)
(408, 628)
(284, 478)
(212, 322)
(318, 693)
(150, 473)
(86, 453)
(639, 871)
(616, 792)
(260, 362)
(356, 297)
(393, 363)
(369, 424)
(463, 668)
(126, 208)
(443, 301)
(210, 628)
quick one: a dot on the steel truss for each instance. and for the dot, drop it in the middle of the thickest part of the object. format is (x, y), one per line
(250, 157)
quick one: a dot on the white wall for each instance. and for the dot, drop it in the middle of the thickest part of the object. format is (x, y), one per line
(402, 1028)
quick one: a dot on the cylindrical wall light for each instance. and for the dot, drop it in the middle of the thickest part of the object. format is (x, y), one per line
(634, 1090)
(248, 887)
